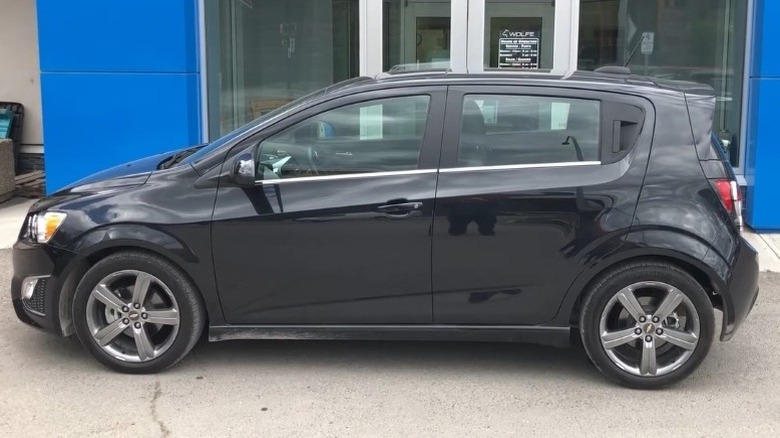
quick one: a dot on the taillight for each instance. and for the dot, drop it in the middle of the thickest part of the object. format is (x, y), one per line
(731, 198)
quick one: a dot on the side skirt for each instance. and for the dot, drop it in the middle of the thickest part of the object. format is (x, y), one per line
(552, 336)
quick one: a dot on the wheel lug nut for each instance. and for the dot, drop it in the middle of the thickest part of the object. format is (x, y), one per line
(125, 309)
(642, 319)
(138, 325)
(655, 319)
(126, 321)
(659, 332)
(648, 338)
(137, 306)
(144, 316)
(638, 331)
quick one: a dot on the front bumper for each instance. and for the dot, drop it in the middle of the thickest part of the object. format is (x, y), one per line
(742, 289)
(51, 266)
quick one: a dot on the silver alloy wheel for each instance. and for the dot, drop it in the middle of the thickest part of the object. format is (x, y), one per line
(649, 329)
(133, 316)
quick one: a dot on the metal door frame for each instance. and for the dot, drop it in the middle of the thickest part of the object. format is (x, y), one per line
(467, 38)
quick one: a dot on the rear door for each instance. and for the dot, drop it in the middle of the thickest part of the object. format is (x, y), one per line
(534, 185)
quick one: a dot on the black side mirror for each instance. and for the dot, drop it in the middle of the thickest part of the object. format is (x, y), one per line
(243, 171)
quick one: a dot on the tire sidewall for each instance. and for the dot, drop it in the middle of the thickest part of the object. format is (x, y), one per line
(610, 285)
(190, 324)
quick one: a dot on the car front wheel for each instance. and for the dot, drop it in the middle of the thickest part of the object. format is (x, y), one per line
(647, 324)
(137, 313)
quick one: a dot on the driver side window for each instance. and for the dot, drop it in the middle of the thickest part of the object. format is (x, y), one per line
(381, 135)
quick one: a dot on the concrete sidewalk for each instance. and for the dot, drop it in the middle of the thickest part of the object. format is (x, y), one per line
(768, 246)
(12, 214)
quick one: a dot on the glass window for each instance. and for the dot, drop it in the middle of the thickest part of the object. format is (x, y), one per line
(506, 130)
(264, 54)
(694, 40)
(377, 136)
(416, 34)
(519, 34)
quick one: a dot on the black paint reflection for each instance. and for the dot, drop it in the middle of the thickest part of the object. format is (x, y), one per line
(480, 211)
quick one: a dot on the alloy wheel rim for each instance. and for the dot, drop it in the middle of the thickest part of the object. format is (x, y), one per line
(649, 329)
(132, 316)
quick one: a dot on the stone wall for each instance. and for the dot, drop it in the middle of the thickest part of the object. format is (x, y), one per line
(6, 170)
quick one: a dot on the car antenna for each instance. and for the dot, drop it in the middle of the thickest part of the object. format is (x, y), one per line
(633, 52)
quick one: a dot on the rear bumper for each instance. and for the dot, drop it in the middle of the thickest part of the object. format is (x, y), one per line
(742, 289)
(50, 266)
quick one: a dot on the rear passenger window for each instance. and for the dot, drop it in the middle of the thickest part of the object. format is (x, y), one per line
(509, 130)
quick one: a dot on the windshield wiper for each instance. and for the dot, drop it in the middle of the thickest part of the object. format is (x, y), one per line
(178, 157)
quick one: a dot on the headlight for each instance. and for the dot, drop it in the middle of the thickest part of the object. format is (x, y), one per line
(42, 226)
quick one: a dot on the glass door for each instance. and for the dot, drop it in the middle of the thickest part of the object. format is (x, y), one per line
(416, 35)
(528, 36)
(519, 34)
(532, 36)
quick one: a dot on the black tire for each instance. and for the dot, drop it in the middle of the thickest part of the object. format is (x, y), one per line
(190, 309)
(613, 282)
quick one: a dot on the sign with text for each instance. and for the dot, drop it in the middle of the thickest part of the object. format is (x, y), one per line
(648, 43)
(519, 49)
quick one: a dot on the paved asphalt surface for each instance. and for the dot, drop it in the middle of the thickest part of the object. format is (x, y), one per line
(50, 387)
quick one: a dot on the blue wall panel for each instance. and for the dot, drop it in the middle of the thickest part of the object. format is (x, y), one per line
(119, 81)
(96, 120)
(124, 35)
(763, 157)
(766, 61)
(763, 210)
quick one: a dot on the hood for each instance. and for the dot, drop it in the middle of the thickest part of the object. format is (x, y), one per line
(128, 174)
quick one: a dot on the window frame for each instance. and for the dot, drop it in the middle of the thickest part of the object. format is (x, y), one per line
(610, 108)
(431, 142)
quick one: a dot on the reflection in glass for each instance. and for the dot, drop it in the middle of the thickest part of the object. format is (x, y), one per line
(416, 35)
(264, 54)
(377, 136)
(500, 130)
(694, 40)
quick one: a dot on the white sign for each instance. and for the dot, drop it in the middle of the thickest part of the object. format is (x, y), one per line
(518, 50)
(648, 43)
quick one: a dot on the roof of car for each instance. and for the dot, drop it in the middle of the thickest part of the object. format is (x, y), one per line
(580, 79)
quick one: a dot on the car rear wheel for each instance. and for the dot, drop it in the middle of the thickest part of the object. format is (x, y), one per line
(137, 313)
(647, 324)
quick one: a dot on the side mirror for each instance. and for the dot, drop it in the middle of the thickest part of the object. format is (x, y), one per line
(243, 171)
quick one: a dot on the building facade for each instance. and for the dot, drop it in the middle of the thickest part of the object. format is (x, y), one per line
(122, 80)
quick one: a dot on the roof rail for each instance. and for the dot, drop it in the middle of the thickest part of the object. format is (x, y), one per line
(614, 70)
(426, 68)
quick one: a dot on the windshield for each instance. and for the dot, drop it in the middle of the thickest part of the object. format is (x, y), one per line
(216, 144)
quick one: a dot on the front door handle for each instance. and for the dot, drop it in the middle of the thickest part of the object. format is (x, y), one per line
(401, 209)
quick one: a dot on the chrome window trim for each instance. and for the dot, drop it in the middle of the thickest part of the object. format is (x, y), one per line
(427, 171)
(520, 166)
(346, 176)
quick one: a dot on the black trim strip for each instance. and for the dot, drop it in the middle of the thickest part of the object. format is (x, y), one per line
(552, 336)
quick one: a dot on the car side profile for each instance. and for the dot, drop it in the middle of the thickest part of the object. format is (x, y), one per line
(433, 206)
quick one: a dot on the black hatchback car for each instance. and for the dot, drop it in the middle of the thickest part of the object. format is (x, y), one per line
(416, 206)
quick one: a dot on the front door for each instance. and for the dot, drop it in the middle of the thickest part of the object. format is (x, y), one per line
(337, 229)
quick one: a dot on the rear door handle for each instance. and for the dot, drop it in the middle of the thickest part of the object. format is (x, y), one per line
(401, 209)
